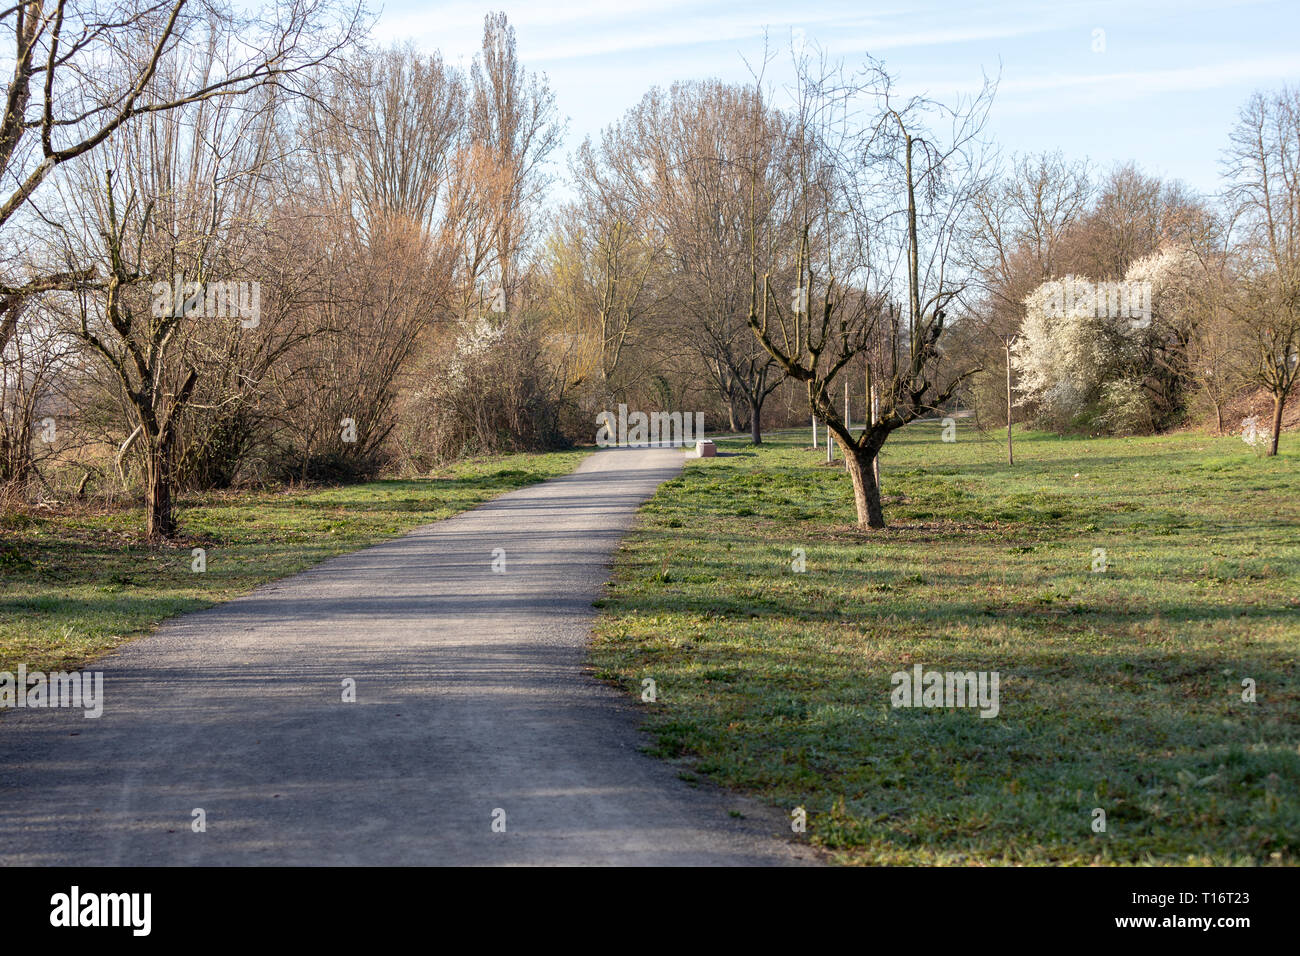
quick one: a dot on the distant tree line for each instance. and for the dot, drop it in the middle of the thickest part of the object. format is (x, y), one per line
(246, 247)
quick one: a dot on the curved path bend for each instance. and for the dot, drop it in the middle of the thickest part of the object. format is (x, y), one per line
(472, 697)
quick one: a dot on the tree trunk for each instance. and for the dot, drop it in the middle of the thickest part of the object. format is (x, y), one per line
(755, 431)
(1218, 414)
(735, 409)
(1279, 401)
(159, 522)
(866, 493)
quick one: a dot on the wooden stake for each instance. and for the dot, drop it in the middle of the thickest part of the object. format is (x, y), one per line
(1011, 458)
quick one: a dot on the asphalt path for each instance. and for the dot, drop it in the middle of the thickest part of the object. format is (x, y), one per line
(477, 735)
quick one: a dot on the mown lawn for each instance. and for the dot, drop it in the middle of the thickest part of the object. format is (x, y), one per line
(1119, 690)
(78, 583)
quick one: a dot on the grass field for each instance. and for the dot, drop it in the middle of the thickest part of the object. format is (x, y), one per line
(77, 583)
(1120, 690)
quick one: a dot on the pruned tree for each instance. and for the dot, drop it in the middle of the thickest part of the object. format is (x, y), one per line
(134, 334)
(843, 301)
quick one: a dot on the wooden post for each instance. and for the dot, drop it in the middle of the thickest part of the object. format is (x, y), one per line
(875, 417)
(1011, 458)
(848, 419)
(867, 391)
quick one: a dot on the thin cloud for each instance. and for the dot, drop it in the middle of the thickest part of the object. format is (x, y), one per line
(1019, 95)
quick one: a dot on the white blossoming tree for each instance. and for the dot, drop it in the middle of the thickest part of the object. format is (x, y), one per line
(1116, 348)
(1064, 352)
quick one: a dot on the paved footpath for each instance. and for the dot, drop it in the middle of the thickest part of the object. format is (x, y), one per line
(471, 696)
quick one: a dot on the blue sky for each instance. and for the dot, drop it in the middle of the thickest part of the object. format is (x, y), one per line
(1163, 89)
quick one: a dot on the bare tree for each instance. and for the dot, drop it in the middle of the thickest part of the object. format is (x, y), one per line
(33, 410)
(382, 137)
(337, 392)
(84, 70)
(1022, 223)
(514, 128)
(172, 230)
(705, 162)
(843, 304)
(1132, 216)
(389, 217)
(135, 338)
(1263, 166)
(606, 278)
(1023, 218)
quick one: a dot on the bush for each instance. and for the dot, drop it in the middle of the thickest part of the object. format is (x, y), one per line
(1125, 408)
(489, 393)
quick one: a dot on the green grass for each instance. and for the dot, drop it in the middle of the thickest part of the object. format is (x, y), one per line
(76, 584)
(1119, 690)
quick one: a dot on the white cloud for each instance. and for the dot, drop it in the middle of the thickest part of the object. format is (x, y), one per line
(1054, 91)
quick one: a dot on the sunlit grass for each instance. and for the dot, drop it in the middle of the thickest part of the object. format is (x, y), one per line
(1120, 690)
